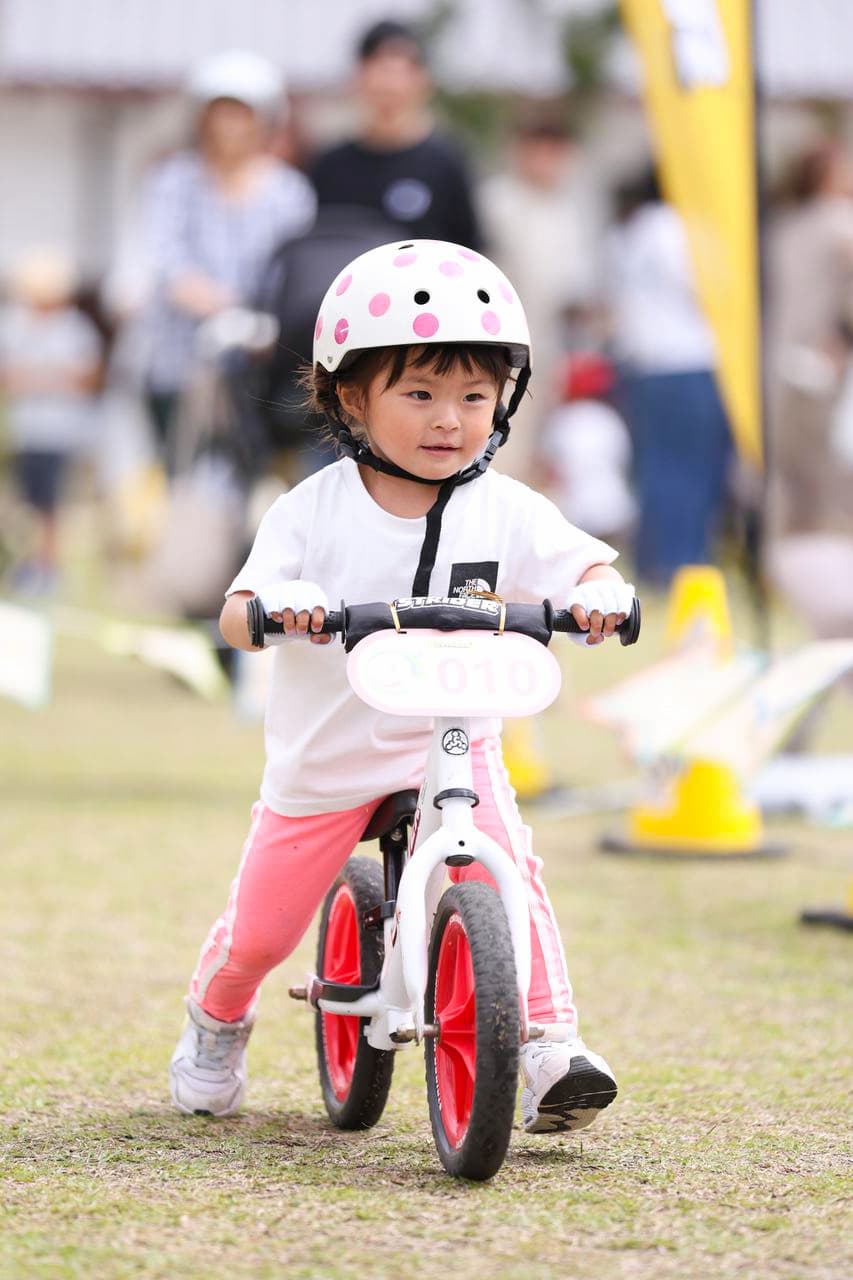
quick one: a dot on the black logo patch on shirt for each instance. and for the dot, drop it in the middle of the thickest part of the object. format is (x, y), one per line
(465, 579)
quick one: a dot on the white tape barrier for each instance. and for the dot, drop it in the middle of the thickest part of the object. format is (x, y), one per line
(691, 707)
(753, 726)
(27, 646)
(657, 708)
(819, 787)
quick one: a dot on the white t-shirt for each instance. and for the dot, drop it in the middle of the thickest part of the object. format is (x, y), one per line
(658, 325)
(326, 750)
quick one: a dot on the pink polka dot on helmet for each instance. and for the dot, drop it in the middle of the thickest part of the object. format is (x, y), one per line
(425, 325)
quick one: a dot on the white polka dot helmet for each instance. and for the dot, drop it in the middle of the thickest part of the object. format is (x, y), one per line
(417, 292)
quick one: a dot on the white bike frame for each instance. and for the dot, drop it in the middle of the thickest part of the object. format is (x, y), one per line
(440, 831)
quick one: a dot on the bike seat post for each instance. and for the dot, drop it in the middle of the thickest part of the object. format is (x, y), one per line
(393, 846)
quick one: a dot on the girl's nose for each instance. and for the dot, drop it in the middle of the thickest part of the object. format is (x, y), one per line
(446, 416)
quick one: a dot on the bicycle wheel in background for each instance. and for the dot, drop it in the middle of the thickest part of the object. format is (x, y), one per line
(355, 1078)
(472, 1064)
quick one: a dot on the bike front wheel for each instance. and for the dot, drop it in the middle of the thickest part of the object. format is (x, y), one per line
(472, 1062)
(355, 1078)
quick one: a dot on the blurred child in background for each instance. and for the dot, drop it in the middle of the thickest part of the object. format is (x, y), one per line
(50, 364)
(585, 450)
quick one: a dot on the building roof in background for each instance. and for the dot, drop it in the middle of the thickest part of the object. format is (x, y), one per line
(150, 44)
(805, 49)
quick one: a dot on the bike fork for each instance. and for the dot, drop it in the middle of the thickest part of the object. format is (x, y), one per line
(447, 834)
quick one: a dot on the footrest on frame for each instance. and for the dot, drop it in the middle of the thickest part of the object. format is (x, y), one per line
(345, 992)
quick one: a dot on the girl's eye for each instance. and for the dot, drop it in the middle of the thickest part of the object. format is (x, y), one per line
(475, 396)
(420, 395)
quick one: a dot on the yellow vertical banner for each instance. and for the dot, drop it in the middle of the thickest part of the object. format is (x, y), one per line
(699, 91)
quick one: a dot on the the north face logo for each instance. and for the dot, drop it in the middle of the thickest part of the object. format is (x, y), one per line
(467, 579)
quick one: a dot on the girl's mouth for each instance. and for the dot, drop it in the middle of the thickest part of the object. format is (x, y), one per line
(439, 450)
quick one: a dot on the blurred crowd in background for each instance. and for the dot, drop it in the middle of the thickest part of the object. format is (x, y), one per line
(165, 391)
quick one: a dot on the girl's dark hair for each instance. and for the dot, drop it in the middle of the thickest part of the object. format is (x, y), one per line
(440, 358)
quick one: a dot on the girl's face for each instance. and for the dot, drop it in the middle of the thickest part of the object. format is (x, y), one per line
(428, 423)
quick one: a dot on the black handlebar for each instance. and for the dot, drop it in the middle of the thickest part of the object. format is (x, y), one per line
(627, 631)
(469, 613)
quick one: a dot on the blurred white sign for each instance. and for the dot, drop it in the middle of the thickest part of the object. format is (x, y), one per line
(698, 43)
(26, 656)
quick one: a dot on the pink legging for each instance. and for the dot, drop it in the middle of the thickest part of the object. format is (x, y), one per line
(289, 864)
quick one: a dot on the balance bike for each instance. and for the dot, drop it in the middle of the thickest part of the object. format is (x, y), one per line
(400, 958)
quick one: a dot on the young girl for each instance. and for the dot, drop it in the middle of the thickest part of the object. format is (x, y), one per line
(415, 343)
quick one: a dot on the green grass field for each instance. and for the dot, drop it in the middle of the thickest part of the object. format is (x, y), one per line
(124, 807)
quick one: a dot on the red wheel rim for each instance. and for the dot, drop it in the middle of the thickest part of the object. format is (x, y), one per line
(456, 1046)
(341, 963)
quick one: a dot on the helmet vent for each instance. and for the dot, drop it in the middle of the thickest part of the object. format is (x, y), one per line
(421, 297)
(483, 296)
(405, 246)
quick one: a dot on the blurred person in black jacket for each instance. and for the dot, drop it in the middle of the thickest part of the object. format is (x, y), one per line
(399, 164)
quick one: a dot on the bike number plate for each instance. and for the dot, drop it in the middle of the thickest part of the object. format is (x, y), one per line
(446, 673)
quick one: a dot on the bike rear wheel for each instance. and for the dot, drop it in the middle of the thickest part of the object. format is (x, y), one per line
(472, 1063)
(355, 1078)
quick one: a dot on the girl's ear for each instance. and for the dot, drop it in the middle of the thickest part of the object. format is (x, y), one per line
(352, 401)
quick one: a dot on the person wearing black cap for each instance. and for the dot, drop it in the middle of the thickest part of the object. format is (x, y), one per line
(399, 164)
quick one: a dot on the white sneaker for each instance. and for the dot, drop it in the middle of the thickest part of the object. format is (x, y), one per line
(565, 1085)
(207, 1074)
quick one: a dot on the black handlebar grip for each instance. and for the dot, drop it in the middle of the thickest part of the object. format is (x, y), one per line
(628, 631)
(260, 624)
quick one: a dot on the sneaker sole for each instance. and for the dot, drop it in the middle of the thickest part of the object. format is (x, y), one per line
(583, 1088)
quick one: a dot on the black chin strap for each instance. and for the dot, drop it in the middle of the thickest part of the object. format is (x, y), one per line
(362, 453)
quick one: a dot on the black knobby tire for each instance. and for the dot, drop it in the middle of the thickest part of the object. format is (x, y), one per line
(354, 1097)
(472, 1133)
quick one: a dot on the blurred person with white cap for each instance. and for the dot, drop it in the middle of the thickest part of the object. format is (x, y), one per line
(50, 364)
(213, 214)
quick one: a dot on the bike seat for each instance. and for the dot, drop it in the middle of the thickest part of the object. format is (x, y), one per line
(393, 810)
